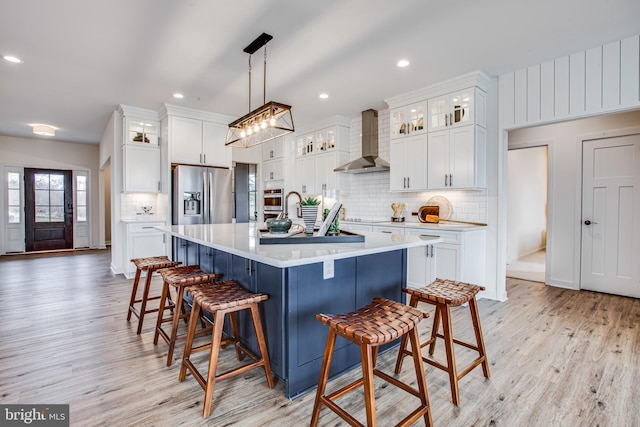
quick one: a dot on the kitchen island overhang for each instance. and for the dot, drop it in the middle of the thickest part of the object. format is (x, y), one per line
(299, 286)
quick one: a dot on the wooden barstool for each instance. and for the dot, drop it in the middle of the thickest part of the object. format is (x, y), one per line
(377, 323)
(445, 294)
(179, 278)
(149, 265)
(219, 299)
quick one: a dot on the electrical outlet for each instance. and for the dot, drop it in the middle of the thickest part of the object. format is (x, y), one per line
(327, 269)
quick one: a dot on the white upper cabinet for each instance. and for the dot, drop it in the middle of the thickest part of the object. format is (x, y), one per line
(186, 140)
(318, 153)
(460, 108)
(408, 159)
(456, 158)
(273, 149)
(214, 152)
(408, 120)
(141, 155)
(198, 142)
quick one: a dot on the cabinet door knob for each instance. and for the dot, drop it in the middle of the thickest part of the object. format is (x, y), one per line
(450, 180)
(446, 120)
(446, 180)
(451, 118)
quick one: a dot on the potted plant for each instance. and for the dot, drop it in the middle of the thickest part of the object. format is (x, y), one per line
(309, 208)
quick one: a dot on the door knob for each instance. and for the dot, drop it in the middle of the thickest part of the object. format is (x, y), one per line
(587, 222)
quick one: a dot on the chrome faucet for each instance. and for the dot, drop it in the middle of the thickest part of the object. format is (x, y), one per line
(286, 204)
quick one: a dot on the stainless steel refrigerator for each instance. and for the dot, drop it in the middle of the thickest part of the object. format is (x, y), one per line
(202, 195)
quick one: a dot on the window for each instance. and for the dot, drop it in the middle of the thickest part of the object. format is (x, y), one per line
(13, 205)
(49, 200)
(81, 198)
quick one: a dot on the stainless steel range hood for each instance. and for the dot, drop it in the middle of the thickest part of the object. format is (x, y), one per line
(369, 161)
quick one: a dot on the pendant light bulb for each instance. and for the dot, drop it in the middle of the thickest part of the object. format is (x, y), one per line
(256, 128)
(272, 122)
(243, 133)
(249, 130)
(263, 124)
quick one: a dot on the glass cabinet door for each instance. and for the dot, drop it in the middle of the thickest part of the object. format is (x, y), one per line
(142, 132)
(438, 113)
(461, 103)
(416, 114)
(398, 122)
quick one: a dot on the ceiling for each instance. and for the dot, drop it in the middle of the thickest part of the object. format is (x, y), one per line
(83, 58)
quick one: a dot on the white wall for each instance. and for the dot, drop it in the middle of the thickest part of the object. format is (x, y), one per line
(527, 186)
(565, 143)
(41, 153)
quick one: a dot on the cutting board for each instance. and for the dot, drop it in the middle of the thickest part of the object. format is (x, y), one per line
(428, 210)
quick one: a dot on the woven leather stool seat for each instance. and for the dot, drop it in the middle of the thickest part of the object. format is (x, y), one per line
(375, 324)
(150, 265)
(179, 278)
(220, 298)
(445, 294)
(444, 291)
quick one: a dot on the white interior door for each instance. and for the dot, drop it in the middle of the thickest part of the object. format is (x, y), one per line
(611, 215)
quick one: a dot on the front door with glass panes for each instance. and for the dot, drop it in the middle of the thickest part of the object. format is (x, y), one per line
(48, 209)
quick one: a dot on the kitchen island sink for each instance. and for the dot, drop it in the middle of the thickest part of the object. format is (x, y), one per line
(301, 281)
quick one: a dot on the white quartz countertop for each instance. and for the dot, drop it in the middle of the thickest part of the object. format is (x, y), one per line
(244, 240)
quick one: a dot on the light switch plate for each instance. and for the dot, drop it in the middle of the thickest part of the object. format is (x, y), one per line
(327, 269)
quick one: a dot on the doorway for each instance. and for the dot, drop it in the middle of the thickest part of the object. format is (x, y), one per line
(528, 180)
(611, 215)
(48, 209)
(244, 192)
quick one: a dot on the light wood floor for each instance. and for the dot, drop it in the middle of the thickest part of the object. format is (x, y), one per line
(558, 358)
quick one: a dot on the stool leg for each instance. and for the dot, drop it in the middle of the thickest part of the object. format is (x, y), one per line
(145, 295)
(134, 291)
(191, 332)
(163, 299)
(403, 344)
(475, 318)
(434, 330)
(174, 325)
(235, 330)
(324, 376)
(451, 358)
(216, 337)
(262, 344)
(366, 354)
(420, 377)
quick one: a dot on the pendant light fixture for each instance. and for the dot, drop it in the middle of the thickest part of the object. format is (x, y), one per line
(265, 123)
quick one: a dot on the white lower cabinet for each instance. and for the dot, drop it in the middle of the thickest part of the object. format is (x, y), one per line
(421, 261)
(143, 240)
(461, 257)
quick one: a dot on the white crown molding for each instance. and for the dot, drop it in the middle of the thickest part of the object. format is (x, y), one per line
(176, 110)
(325, 123)
(478, 78)
(140, 113)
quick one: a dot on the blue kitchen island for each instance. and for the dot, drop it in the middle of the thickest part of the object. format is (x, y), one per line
(301, 281)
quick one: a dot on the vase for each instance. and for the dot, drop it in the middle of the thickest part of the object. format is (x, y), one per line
(309, 215)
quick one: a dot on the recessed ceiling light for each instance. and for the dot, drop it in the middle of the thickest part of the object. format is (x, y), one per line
(178, 95)
(403, 63)
(13, 59)
(45, 130)
(323, 95)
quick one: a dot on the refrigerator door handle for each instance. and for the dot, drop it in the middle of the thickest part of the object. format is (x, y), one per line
(212, 200)
(205, 198)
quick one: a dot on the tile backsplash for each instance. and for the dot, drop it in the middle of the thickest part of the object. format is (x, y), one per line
(131, 205)
(369, 197)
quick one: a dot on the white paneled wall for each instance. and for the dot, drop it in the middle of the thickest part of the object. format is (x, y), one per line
(594, 81)
(369, 197)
